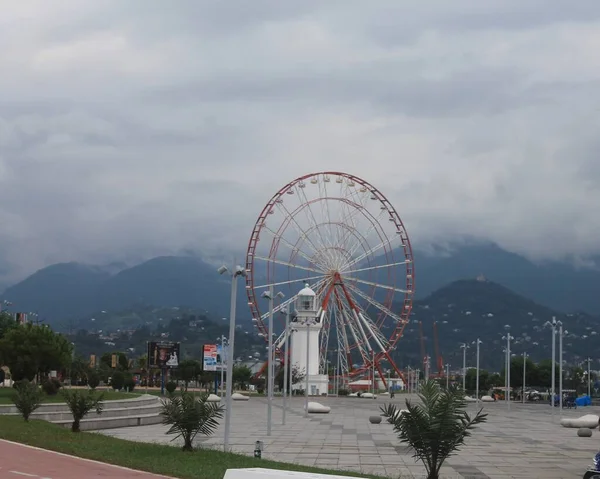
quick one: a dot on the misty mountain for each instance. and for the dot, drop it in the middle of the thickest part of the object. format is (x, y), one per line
(469, 309)
(559, 285)
(74, 291)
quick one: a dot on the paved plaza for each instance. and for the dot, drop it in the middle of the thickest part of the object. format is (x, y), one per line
(522, 443)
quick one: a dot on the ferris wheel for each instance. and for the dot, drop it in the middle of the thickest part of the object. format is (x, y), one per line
(341, 236)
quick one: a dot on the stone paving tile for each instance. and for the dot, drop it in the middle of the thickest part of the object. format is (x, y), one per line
(522, 442)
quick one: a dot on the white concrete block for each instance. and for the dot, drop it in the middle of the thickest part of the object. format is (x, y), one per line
(259, 473)
(589, 420)
(487, 399)
(317, 408)
(213, 398)
(239, 397)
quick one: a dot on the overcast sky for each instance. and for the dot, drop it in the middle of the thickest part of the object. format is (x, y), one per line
(130, 129)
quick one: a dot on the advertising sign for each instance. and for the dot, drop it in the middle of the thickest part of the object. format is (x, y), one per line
(209, 357)
(92, 361)
(163, 354)
(114, 361)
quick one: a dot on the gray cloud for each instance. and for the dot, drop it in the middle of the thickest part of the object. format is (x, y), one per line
(132, 129)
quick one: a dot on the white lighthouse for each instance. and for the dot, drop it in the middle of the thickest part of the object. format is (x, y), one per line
(305, 343)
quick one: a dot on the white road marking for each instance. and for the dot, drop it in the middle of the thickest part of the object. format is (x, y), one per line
(23, 474)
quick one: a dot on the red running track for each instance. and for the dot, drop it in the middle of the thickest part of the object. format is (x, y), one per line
(18, 461)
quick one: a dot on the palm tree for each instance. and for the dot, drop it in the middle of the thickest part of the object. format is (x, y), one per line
(189, 415)
(80, 402)
(436, 428)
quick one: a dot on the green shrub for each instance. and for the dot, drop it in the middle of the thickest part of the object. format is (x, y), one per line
(117, 381)
(343, 392)
(93, 380)
(27, 398)
(56, 383)
(80, 402)
(49, 387)
(171, 387)
(129, 384)
(189, 416)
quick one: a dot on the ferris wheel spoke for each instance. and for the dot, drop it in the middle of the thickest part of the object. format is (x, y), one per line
(289, 245)
(377, 285)
(359, 207)
(290, 265)
(283, 304)
(377, 267)
(349, 321)
(308, 212)
(367, 327)
(375, 303)
(374, 226)
(374, 249)
(291, 281)
(297, 227)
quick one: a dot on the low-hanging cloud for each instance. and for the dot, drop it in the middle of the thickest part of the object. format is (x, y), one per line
(139, 128)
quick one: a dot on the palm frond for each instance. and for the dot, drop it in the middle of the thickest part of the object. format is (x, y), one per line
(436, 427)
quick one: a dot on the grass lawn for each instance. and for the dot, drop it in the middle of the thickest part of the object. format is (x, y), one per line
(160, 459)
(6, 394)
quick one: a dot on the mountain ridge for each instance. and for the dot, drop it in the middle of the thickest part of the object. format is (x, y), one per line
(73, 290)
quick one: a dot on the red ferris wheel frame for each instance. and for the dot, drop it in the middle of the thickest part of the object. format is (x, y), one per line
(337, 291)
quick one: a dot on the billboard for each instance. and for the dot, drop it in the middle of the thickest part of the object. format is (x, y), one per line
(163, 354)
(209, 357)
(92, 361)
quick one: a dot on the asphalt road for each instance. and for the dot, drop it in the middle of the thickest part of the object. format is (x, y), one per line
(18, 461)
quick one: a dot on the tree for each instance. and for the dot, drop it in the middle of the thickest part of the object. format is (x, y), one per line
(27, 398)
(189, 416)
(7, 322)
(471, 380)
(295, 376)
(241, 376)
(188, 370)
(80, 402)
(80, 370)
(117, 381)
(436, 428)
(30, 350)
(122, 362)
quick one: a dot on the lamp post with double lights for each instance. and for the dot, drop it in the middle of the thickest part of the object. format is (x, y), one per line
(464, 347)
(286, 361)
(589, 377)
(269, 295)
(477, 343)
(239, 271)
(552, 325)
(508, 338)
(561, 333)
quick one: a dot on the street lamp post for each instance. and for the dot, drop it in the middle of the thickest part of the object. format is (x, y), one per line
(239, 271)
(477, 342)
(553, 379)
(286, 362)
(464, 347)
(589, 377)
(525, 355)
(307, 368)
(270, 295)
(447, 376)
(560, 365)
(508, 337)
